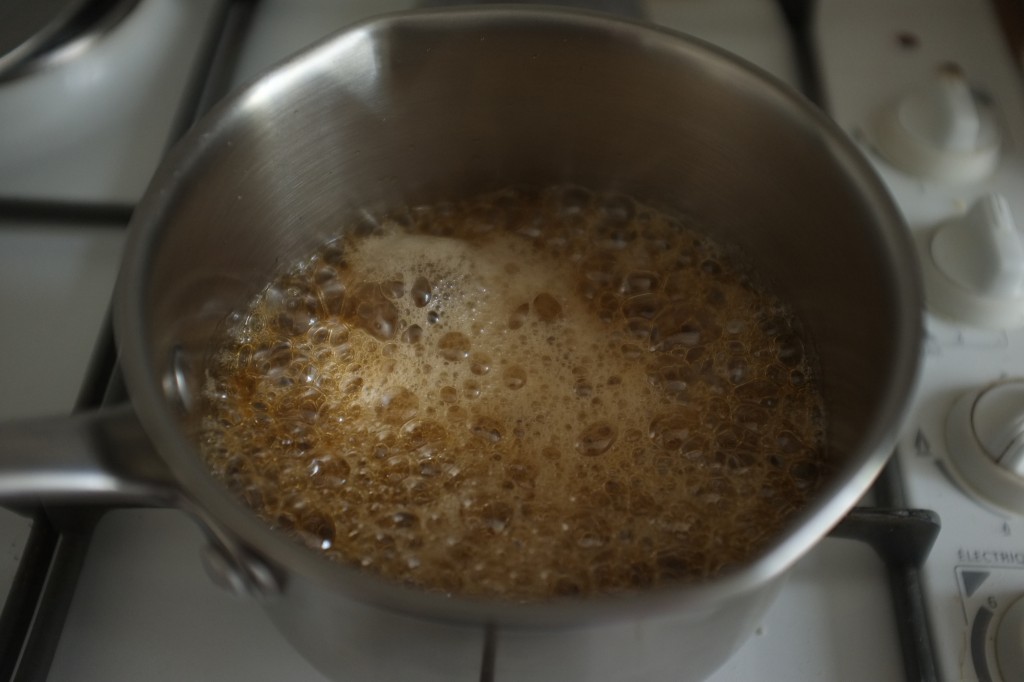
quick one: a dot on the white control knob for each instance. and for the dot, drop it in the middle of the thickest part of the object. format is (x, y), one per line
(985, 440)
(940, 131)
(973, 266)
(1010, 642)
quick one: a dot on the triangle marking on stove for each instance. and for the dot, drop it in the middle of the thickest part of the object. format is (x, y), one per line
(972, 580)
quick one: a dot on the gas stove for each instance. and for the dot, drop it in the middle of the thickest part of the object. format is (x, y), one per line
(931, 91)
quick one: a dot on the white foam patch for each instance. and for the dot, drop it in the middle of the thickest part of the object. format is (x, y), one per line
(536, 369)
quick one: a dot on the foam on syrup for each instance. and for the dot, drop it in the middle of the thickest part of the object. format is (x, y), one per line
(520, 396)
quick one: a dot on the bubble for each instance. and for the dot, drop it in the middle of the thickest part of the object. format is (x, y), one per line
(761, 391)
(631, 351)
(738, 370)
(617, 210)
(397, 405)
(296, 318)
(573, 201)
(640, 282)
(518, 317)
(741, 459)
(804, 474)
(645, 306)
(568, 587)
(735, 326)
(421, 292)
(394, 289)
(674, 380)
(619, 238)
(789, 442)
(401, 519)
(479, 363)
(412, 334)
(547, 307)
(752, 416)
(456, 413)
(317, 530)
(339, 334)
(681, 285)
(329, 471)
(640, 575)
(600, 269)
(454, 346)
(324, 274)
(522, 473)
(639, 328)
(471, 389)
(277, 357)
(396, 468)
(608, 307)
(352, 384)
(714, 296)
(675, 328)
(484, 219)
(673, 565)
(711, 267)
(419, 432)
(378, 317)
(496, 515)
(587, 291)
(514, 377)
(550, 453)
(589, 532)
(333, 254)
(486, 429)
(433, 317)
(671, 431)
(791, 350)
(596, 439)
(319, 335)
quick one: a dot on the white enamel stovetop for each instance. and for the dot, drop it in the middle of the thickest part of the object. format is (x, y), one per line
(144, 608)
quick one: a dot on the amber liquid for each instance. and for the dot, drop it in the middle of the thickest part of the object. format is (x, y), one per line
(520, 396)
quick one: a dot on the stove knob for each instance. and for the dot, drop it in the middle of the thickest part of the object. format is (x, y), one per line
(940, 131)
(1010, 642)
(973, 266)
(985, 439)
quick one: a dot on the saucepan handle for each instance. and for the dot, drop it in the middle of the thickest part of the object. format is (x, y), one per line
(104, 457)
(97, 457)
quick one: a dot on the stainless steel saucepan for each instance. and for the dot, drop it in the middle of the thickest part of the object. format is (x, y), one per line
(444, 104)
